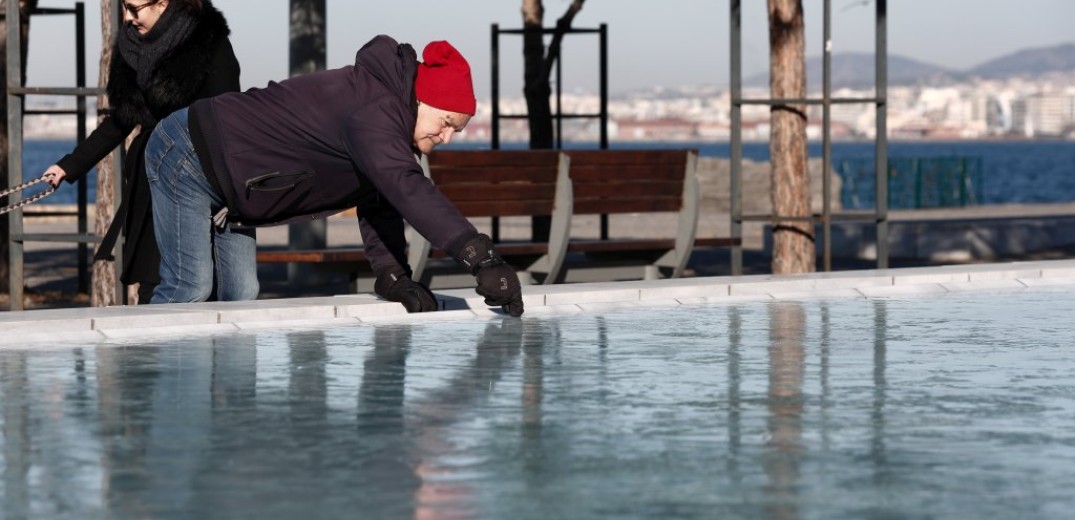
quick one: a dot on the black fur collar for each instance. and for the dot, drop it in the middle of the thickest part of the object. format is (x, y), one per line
(177, 80)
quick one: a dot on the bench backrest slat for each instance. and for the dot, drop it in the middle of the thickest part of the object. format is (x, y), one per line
(637, 205)
(497, 183)
(628, 181)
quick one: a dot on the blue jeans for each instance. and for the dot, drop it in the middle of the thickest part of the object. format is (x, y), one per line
(191, 247)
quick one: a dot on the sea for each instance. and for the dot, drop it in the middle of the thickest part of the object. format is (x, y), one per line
(1007, 171)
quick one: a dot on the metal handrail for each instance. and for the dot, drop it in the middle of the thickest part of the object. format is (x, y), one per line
(16, 93)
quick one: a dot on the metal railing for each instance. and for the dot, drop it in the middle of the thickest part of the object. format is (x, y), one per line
(16, 99)
(558, 114)
(914, 183)
(880, 214)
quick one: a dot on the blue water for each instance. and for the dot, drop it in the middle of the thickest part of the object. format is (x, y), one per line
(1013, 171)
(957, 407)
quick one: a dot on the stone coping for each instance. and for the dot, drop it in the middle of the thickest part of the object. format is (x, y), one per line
(91, 324)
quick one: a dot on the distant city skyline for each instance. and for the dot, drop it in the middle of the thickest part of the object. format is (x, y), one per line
(681, 42)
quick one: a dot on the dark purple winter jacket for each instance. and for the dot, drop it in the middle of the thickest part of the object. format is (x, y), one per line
(321, 143)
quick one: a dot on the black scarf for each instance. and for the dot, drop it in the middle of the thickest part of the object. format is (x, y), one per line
(142, 52)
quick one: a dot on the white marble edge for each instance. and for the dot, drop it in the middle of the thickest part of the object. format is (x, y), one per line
(133, 322)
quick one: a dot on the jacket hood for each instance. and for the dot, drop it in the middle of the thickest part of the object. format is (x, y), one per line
(394, 64)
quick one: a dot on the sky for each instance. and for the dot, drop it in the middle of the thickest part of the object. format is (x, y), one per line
(651, 43)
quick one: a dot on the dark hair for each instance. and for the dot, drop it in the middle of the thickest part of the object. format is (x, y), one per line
(190, 6)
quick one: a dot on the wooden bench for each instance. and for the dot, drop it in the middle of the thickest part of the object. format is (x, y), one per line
(480, 184)
(350, 260)
(500, 183)
(636, 182)
(561, 185)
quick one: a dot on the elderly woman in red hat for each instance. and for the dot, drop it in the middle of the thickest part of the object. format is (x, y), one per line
(308, 147)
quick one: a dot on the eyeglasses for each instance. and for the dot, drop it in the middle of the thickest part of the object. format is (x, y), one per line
(135, 9)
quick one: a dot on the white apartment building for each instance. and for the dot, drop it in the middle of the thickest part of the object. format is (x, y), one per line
(1051, 114)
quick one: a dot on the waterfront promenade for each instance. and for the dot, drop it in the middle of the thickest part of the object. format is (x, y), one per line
(918, 238)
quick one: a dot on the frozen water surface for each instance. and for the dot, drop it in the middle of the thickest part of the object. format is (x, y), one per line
(954, 407)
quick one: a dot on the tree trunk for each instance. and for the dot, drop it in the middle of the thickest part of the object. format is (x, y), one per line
(103, 292)
(537, 71)
(536, 87)
(793, 241)
(25, 6)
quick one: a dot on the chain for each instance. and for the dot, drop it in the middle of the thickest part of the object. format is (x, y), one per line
(30, 200)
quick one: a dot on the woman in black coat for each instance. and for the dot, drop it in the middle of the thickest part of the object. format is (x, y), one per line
(168, 54)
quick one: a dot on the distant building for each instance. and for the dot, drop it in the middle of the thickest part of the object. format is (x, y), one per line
(1046, 115)
(666, 129)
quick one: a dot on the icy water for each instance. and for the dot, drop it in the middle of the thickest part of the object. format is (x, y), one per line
(958, 407)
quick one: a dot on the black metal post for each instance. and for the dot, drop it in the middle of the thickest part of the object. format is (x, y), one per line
(495, 33)
(826, 139)
(559, 100)
(80, 136)
(603, 87)
(494, 90)
(736, 166)
(881, 142)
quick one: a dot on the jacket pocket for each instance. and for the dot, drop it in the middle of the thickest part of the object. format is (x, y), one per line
(277, 181)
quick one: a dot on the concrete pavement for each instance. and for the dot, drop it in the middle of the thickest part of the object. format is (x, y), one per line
(936, 237)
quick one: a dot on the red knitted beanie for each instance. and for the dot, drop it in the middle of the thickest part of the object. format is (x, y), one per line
(444, 79)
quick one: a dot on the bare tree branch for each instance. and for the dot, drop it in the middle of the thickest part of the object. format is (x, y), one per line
(562, 26)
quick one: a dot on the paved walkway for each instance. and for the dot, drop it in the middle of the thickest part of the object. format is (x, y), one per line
(65, 326)
(52, 268)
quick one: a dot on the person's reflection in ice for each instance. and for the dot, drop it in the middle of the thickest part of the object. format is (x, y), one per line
(237, 448)
(386, 471)
(49, 446)
(235, 377)
(152, 422)
(536, 336)
(787, 323)
(126, 377)
(307, 383)
(380, 397)
(540, 338)
(437, 495)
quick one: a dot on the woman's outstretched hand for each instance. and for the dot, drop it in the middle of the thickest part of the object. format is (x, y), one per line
(54, 175)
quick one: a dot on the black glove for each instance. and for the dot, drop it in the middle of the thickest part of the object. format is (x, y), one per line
(396, 286)
(497, 281)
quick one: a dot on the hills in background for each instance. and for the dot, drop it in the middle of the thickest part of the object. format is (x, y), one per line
(856, 70)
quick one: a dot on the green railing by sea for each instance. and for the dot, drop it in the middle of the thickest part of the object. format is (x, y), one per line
(928, 182)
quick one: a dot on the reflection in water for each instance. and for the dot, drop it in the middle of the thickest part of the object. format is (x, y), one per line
(125, 414)
(15, 408)
(380, 422)
(307, 384)
(787, 324)
(823, 375)
(198, 430)
(905, 411)
(533, 383)
(441, 493)
(735, 345)
(878, 453)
